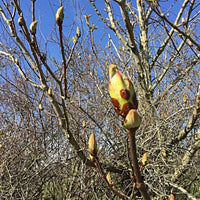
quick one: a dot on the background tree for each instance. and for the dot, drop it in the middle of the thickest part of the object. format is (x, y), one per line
(54, 95)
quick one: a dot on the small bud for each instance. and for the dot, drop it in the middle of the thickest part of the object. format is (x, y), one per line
(17, 61)
(50, 91)
(108, 178)
(84, 123)
(164, 153)
(21, 21)
(60, 15)
(183, 21)
(144, 159)
(172, 197)
(190, 43)
(79, 55)
(33, 27)
(78, 32)
(132, 120)
(40, 107)
(87, 17)
(184, 98)
(92, 145)
(92, 159)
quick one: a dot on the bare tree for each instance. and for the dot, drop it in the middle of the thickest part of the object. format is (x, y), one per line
(50, 104)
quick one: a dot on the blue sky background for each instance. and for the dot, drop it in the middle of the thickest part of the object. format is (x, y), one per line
(74, 15)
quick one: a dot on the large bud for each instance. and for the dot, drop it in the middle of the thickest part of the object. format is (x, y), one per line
(33, 27)
(132, 120)
(60, 15)
(122, 92)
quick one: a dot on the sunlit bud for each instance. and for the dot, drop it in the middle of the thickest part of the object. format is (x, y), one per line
(184, 98)
(78, 32)
(60, 15)
(144, 159)
(50, 91)
(108, 178)
(33, 27)
(40, 107)
(92, 145)
(84, 123)
(122, 92)
(87, 17)
(92, 159)
(17, 61)
(172, 197)
(164, 153)
(183, 20)
(79, 55)
(132, 120)
(21, 21)
(190, 43)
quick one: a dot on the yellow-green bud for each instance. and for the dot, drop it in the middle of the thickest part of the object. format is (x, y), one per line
(50, 91)
(92, 145)
(33, 27)
(78, 32)
(60, 15)
(122, 92)
(108, 178)
(40, 107)
(21, 21)
(144, 159)
(17, 61)
(132, 120)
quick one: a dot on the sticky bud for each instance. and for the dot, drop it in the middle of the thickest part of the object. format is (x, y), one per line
(21, 21)
(108, 178)
(17, 61)
(87, 17)
(92, 159)
(122, 93)
(78, 32)
(33, 27)
(92, 145)
(190, 43)
(60, 15)
(164, 153)
(40, 107)
(144, 159)
(183, 20)
(84, 123)
(50, 91)
(132, 120)
(172, 197)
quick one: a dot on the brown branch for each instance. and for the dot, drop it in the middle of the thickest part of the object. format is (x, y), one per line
(63, 60)
(173, 82)
(187, 158)
(190, 196)
(162, 16)
(191, 122)
(111, 187)
(166, 41)
(140, 185)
